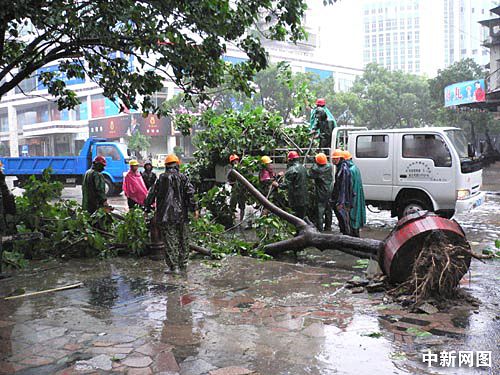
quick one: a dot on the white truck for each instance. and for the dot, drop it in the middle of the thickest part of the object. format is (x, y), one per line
(432, 168)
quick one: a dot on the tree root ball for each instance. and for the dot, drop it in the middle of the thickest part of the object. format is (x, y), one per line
(438, 267)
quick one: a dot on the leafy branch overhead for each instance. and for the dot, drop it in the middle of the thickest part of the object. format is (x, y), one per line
(173, 39)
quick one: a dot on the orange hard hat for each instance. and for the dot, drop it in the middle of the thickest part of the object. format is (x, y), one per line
(171, 158)
(347, 155)
(321, 159)
(337, 154)
(293, 155)
(233, 157)
(99, 160)
(321, 101)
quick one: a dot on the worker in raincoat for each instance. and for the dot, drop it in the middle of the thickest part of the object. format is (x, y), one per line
(134, 187)
(267, 177)
(358, 211)
(148, 175)
(94, 186)
(173, 194)
(322, 123)
(322, 174)
(295, 182)
(342, 192)
(238, 198)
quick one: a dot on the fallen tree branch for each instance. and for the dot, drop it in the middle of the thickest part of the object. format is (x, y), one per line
(73, 286)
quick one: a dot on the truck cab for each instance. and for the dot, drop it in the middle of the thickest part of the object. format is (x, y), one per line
(414, 169)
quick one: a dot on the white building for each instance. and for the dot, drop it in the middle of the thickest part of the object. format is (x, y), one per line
(422, 36)
(31, 124)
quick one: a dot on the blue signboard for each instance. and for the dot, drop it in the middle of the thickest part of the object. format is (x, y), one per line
(465, 93)
(25, 149)
(60, 75)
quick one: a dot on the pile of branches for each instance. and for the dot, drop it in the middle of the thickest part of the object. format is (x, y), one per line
(437, 270)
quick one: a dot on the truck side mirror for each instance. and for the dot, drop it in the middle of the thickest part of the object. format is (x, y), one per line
(482, 147)
(470, 150)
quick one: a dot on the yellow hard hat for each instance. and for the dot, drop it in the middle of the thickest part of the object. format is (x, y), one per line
(266, 160)
(133, 162)
(337, 154)
(321, 159)
(171, 158)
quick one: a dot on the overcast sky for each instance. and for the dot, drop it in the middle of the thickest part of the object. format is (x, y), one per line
(341, 34)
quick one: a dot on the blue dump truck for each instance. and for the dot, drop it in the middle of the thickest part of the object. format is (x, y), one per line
(70, 169)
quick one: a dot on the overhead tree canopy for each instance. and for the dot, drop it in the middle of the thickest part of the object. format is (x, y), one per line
(182, 40)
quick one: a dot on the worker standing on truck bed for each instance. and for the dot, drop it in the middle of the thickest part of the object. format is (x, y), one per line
(238, 197)
(321, 173)
(295, 182)
(322, 123)
(173, 194)
(94, 186)
(134, 187)
(357, 215)
(342, 192)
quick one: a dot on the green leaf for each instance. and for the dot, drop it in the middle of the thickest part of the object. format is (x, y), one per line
(418, 332)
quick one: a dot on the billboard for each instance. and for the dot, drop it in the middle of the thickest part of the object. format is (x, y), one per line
(465, 93)
(127, 124)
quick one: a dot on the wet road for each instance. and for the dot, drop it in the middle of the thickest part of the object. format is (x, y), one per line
(277, 317)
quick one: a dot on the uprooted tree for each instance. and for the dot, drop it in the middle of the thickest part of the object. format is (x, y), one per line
(426, 263)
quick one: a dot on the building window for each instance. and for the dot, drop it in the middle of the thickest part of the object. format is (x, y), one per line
(463, 52)
(381, 53)
(388, 38)
(402, 23)
(409, 37)
(417, 36)
(410, 66)
(417, 67)
(380, 25)
(367, 41)
(366, 55)
(402, 37)
(381, 39)
(409, 23)
(474, 51)
(374, 41)
(482, 11)
(367, 12)
(367, 27)
(417, 52)
(26, 85)
(388, 24)
(410, 52)
(372, 146)
(472, 10)
(4, 123)
(374, 27)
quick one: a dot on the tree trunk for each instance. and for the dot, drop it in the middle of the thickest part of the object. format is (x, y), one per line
(308, 235)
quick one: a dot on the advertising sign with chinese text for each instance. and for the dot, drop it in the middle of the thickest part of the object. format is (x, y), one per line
(465, 93)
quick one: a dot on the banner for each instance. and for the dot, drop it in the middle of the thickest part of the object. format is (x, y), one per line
(127, 124)
(465, 93)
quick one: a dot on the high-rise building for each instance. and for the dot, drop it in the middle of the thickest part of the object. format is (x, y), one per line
(422, 36)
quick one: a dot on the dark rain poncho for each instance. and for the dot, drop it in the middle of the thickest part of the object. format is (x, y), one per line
(174, 197)
(323, 180)
(358, 210)
(296, 184)
(93, 191)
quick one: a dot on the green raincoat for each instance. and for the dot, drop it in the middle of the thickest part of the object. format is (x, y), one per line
(323, 182)
(296, 185)
(358, 210)
(93, 191)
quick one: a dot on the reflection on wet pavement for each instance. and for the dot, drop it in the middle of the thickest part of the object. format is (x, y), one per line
(276, 317)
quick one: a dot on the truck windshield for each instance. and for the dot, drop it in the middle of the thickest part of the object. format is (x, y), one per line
(459, 141)
(124, 150)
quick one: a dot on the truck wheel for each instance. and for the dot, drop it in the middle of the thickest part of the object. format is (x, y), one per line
(109, 188)
(411, 205)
